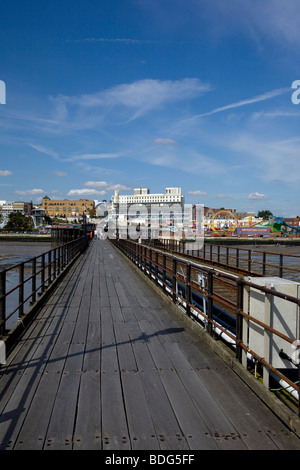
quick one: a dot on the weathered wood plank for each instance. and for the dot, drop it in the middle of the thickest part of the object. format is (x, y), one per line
(141, 428)
(87, 432)
(61, 425)
(193, 426)
(115, 433)
(33, 431)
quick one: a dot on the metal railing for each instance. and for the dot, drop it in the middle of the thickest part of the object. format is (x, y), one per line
(242, 260)
(23, 283)
(217, 300)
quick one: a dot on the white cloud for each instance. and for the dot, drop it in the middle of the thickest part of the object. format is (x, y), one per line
(93, 156)
(72, 158)
(5, 172)
(256, 99)
(198, 193)
(128, 41)
(257, 196)
(106, 186)
(140, 96)
(224, 196)
(164, 141)
(46, 151)
(29, 192)
(86, 192)
(60, 173)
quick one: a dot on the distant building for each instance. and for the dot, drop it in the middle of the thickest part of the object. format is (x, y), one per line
(148, 209)
(65, 207)
(144, 197)
(7, 208)
(292, 221)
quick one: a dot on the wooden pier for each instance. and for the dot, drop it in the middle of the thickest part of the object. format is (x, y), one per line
(107, 364)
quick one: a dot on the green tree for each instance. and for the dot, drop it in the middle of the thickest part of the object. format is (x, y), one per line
(265, 214)
(92, 212)
(18, 221)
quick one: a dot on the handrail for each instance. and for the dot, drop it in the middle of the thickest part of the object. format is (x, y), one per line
(35, 275)
(180, 279)
(255, 262)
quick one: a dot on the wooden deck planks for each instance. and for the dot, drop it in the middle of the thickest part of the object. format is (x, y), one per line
(106, 365)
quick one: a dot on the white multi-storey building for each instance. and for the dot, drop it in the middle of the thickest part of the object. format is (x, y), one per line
(144, 197)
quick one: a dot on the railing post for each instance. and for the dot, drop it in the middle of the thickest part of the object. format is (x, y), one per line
(188, 296)
(264, 263)
(280, 265)
(239, 318)
(54, 260)
(33, 280)
(174, 280)
(2, 302)
(21, 289)
(209, 301)
(249, 261)
(43, 273)
(164, 271)
(49, 268)
(136, 253)
(150, 252)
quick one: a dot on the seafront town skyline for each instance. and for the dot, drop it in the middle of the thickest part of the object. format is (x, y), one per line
(99, 96)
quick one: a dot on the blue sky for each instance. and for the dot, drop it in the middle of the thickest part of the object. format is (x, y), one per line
(118, 94)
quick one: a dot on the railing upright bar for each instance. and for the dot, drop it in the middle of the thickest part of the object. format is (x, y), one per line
(54, 263)
(2, 301)
(239, 319)
(164, 270)
(174, 280)
(49, 268)
(33, 280)
(264, 263)
(21, 289)
(188, 296)
(209, 301)
(156, 267)
(280, 265)
(42, 272)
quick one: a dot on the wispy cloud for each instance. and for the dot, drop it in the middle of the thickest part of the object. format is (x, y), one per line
(127, 41)
(5, 172)
(74, 158)
(92, 156)
(140, 96)
(256, 99)
(44, 150)
(165, 141)
(198, 193)
(273, 160)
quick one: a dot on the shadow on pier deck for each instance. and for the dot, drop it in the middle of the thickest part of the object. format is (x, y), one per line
(106, 364)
